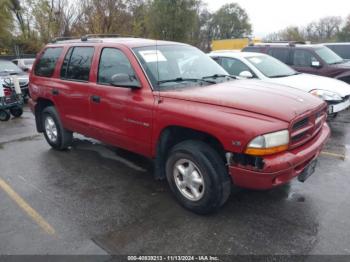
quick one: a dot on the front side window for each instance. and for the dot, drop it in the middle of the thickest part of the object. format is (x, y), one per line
(281, 54)
(172, 66)
(112, 62)
(271, 67)
(77, 63)
(303, 58)
(328, 56)
(47, 62)
(233, 66)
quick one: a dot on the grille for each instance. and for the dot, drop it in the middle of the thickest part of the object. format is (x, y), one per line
(307, 127)
(301, 123)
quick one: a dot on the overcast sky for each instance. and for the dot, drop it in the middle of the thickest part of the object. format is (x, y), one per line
(273, 15)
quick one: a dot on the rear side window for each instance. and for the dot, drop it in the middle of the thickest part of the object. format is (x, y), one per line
(77, 63)
(47, 62)
(281, 54)
(113, 61)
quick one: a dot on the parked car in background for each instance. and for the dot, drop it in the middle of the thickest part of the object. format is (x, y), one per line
(170, 102)
(341, 49)
(312, 59)
(7, 68)
(256, 65)
(24, 63)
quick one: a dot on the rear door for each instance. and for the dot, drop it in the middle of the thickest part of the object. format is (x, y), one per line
(73, 87)
(121, 116)
(281, 53)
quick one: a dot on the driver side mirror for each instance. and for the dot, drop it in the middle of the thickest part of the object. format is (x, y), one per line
(125, 80)
(316, 64)
(246, 74)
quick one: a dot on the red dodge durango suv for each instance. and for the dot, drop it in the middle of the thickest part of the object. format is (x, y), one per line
(205, 130)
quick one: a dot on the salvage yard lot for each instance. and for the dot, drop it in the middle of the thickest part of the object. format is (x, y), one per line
(95, 199)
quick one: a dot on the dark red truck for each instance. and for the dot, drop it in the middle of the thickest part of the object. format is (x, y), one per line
(170, 102)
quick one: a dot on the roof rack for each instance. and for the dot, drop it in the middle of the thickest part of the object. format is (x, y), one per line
(290, 43)
(86, 37)
(62, 38)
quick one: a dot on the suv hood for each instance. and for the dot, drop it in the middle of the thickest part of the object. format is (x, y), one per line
(345, 65)
(307, 83)
(260, 97)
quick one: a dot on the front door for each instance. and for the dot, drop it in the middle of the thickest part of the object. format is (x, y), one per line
(121, 116)
(302, 61)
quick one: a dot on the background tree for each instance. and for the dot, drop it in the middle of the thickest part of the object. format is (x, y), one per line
(231, 21)
(291, 33)
(344, 34)
(6, 24)
(30, 24)
(172, 19)
(103, 17)
(326, 29)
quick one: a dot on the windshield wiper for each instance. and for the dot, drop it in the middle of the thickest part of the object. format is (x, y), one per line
(219, 75)
(277, 76)
(180, 79)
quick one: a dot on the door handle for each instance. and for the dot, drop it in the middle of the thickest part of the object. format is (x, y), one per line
(95, 99)
(55, 92)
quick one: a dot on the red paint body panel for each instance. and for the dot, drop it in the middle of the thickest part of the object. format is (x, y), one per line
(134, 119)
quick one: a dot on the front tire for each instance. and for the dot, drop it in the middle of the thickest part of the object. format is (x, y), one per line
(55, 134)
(16, 111)
(4, 115)
(198, 177)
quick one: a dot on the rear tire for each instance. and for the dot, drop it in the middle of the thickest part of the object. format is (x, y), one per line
(198, 177)
(55, 134)
(4, 115)
(16, 111)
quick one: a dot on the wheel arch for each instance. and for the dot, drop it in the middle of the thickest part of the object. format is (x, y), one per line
(41, 104)
(172, 135)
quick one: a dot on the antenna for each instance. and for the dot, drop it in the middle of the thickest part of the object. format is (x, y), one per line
(157, 68)
(157, 61)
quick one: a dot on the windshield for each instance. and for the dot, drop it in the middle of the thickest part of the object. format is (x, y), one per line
(9, 67)
(271, 67)
(178, 66)
(328, 56)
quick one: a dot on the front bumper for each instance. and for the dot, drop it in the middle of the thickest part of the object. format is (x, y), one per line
(335, 108)
(280, 168)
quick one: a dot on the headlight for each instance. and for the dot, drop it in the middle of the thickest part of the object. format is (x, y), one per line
(326, 95)
(268, 144)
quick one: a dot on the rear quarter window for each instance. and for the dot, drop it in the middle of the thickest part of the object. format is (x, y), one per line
(47, 62)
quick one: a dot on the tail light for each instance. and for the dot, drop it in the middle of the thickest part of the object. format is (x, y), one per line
(7, 91)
